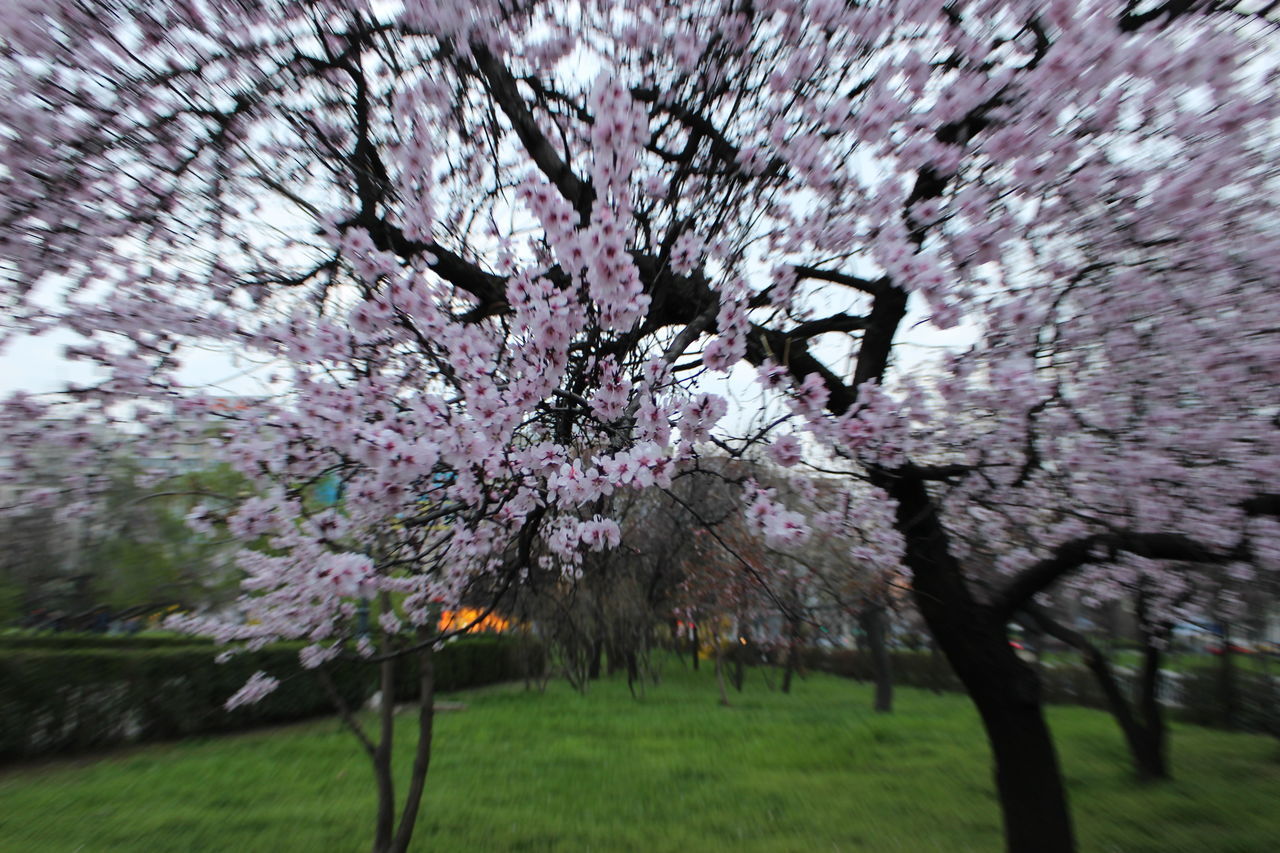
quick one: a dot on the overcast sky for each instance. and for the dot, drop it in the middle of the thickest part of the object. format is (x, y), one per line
(37, 365)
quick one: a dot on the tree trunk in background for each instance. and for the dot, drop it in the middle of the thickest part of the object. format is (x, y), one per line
(739, 665)
(633, 671)
(694, 648)
(1144, 741)
(1033, 640)
(793, 650)
(1152, 752)
(1135, 735)
(872, 619)
(593, 666)
(1228, 703)
(724, 694)
(613, 658)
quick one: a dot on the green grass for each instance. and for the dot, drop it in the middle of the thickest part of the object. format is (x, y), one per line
(520, 771)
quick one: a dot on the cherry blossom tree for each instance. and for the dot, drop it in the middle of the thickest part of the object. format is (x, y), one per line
(848, 567)
(724, 600)
(622, 601)
(495, 247)
(1157, 593)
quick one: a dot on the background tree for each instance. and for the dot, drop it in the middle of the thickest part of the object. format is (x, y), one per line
(840, 570)
(87, 541)
(612, 614)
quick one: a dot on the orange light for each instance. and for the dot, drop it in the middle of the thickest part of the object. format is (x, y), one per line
(472, 621)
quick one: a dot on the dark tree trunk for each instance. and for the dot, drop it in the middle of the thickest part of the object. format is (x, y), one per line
(793, 650)
(386, 818)
(1144, 732)
(1033, 640)
(633, 671)
(1151, 750)
(593, 665)
(1227, 699)
(614, 656)
(694, 646)
(379, 758)
(872, 619)
(1152, 747)
(1006, 692)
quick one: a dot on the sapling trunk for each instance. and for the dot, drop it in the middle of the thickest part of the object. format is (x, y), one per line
(386, 815)
(1228, 702)
(422, 753)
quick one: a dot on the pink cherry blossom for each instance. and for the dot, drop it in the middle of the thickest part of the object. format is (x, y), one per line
(786, 450)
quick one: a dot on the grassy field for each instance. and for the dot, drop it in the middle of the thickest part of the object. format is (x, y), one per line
(517, 771)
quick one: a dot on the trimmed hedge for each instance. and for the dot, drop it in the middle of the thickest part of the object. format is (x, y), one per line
(68, 641)
(1193, 696)
(471, 662)
(1255, 706)
(72, 700)
(914, 669)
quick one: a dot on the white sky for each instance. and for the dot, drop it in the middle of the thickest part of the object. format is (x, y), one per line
(36, 365)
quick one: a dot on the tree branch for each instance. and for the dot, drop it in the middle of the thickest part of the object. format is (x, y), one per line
(345, 710)
(1259, 505)
(835, 323)
(793, 354)
(1071, 555)
(506, 93)
(721, 148)
(873, 287)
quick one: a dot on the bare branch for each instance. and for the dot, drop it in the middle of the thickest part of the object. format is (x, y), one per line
(504, 89)
(874, 287)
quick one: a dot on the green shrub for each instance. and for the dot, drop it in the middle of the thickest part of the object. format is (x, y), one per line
(69, 640)
(63, 700)
(915, 669)
(1253, 706)
(471, 662)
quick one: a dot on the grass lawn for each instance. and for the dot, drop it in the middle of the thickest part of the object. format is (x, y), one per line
(520, 771)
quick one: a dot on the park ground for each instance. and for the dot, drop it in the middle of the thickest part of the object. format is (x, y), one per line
(520, 770)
